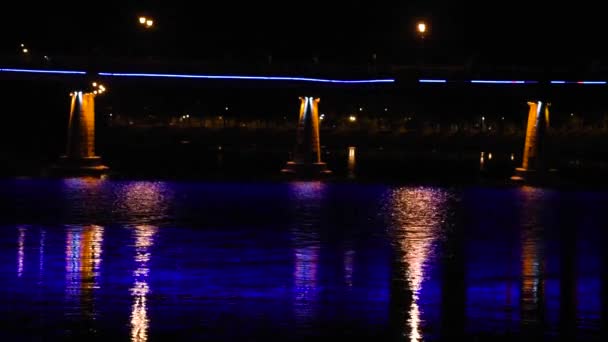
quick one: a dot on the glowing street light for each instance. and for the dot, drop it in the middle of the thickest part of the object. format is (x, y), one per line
(98, 88)
(421, 27)
(352, 118)
(25, 50)
(145, 21)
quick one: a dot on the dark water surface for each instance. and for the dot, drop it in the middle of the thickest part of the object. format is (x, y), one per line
(84, 259)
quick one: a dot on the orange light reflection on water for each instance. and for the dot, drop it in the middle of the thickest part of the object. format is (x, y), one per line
(418, 214)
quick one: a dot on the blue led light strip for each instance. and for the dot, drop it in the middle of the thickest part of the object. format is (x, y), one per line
(258, 78)
(500, 82)
(590, 82)
(579, 82)
(40, 71)
(432, 81)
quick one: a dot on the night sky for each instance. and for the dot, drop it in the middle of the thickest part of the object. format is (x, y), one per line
(502, 32)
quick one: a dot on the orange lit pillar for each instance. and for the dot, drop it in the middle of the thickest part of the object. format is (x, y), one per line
(307, 156)
(533, 154)
(538, 121)
(80, 158)
(308, 146)
(81, 126)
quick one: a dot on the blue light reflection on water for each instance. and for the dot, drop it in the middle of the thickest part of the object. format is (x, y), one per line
(144, 260)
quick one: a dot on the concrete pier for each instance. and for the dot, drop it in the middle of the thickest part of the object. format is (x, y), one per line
(307, 155)
(534, 166)
(80, 158)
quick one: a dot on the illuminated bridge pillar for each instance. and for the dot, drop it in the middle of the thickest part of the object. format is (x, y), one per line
(80, 155)
(307, 154)
(533, 161)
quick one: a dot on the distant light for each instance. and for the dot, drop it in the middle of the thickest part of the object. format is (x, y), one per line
(352, 118)
(39, 71)
(22, 45)
(558, 82)
(322, 117)
(421, 27)
(95, 92)
(502, 118)
(512, 156)
(25, 50)
(149, 23)
(432, 81)
(483, 118)
(94, 84)
(110, 114)
(226, 108)
(253, 78)
(142, 20)
(489, 156)
(386, 109)
(360, 109)
(571, 114)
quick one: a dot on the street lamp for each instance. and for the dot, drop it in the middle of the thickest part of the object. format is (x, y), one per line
(146, 22)
(421, 28)
(98, 88)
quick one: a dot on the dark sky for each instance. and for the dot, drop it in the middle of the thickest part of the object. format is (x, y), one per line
(501, 31)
